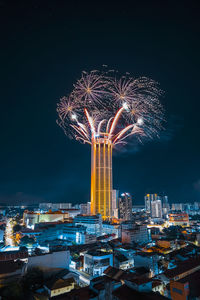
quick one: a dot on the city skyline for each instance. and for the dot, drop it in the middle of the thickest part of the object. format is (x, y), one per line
(35, 160)
(100, 150)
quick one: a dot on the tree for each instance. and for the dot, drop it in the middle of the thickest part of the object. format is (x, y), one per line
(13, 291)
(33, 279)
(174, 232)
(23, 248)
(16, 228)
(38, 251)
(27, 241)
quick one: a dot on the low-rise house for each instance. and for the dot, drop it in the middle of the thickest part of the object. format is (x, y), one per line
(14, 255)
(146, 259)
(186, 288)
(166, 243)
(103, 286)
(182, 270)
(96, 262)
(140, 284)
(142, 272)
(84, 293)
(114, 273)
(158, 286)
(122, 262)
(60, 286)
(125, 292)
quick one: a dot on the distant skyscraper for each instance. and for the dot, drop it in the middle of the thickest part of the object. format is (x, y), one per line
(156, 209)
(115, 203)
(196, 205)
(85, 208)
(148, 198)
(125, 207)
(177, 206)
(165, 205)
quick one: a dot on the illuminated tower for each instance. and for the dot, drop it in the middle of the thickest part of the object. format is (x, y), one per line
(101, 177)
(104, 110)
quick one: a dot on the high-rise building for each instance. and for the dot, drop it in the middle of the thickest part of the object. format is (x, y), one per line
(177, 206)
(115, 203)
(148, 198)
(196, 205)
(85, 208)
(156, 209)
(165, 205)
(125, 207)
(101, 177)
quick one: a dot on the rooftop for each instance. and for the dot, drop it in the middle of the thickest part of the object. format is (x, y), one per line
(59, 283)
(27, 230)
(124, 293)
(11, 255)
(183, 267)
(140, 280)
(98, 253)
(121, 257)
(156, 283)
(141, 270)
(194, 283)
(114, 273)
(84, 293)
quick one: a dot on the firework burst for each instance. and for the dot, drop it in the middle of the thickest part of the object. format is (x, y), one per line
(90, 88)
(102, 105)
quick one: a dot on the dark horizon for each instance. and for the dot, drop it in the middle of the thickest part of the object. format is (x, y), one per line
(45, 46)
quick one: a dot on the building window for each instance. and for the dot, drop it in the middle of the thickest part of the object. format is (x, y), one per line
(177, 291)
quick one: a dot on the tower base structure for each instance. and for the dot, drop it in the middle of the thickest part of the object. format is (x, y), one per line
(101, 177)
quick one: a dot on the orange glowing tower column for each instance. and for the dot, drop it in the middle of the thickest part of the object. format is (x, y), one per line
(101, 177)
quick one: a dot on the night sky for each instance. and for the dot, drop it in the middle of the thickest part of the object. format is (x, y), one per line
(44, 47)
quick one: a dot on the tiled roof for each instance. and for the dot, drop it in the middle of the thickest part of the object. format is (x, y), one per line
(140, 280)
(114, 273)
(183, 267)
(59, 283)
(126, 293)
(84, 293)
